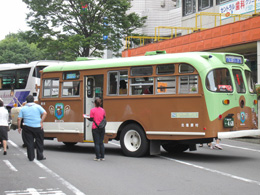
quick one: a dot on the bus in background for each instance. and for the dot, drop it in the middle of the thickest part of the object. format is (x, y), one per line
(171, 100)
(19, 80)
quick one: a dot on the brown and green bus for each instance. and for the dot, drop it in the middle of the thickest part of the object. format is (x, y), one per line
(171, 100)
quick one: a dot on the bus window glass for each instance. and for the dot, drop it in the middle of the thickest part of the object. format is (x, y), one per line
(123, 85)
(36, 72)
(165, 69)
(249, 81)
(22, 77)
(185, 68)
(8, 79)
(113, 81)
(166, 85)
(16, 79)
(142, 71)
(219, 80)
(51, 88)
(70, 89)
(141, 85)
(90, 88)
(188, 84)
(239, 81)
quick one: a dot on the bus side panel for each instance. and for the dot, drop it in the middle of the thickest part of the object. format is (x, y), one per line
(178, 115)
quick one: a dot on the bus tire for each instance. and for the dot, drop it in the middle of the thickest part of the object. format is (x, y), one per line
(70, 144)
(175, 148)
(133, 141)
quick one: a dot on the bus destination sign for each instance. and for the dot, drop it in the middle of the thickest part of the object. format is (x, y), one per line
(234, 59)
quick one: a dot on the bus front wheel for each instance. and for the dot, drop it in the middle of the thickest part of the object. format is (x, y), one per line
(175, 148)
(133, 141)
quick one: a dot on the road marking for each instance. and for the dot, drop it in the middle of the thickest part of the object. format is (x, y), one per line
(242, 148)
(55, 175)
(213, 171)
(34, 191)
(7, 162)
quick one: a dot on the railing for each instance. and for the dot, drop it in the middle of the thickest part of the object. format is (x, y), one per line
(157, 38)
(192, 29)
(218, 15)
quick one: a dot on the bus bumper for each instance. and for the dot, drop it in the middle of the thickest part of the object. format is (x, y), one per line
(240, 133)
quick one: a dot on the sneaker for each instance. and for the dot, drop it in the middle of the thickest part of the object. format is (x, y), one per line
(96, 159)
(218, 147)
(102, 159)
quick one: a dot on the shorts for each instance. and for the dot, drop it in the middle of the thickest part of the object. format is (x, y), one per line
(3, 132)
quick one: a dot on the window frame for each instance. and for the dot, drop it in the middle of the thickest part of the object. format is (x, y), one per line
(118, 79)
(72, 88)
(200, 3)
(193, 7)
(157, 88)
(188, 84)
(51, 88)
(216, 90)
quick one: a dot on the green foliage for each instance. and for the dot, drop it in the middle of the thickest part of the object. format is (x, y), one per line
(14, 49)
(65, 28)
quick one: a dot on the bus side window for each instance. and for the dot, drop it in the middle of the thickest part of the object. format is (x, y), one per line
(188, 84)
(141, 85)
(70, 88)
(118, 82)
(166, 85)
(51, 88)
(113, 81)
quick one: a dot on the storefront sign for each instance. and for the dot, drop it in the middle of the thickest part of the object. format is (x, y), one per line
(238, 7)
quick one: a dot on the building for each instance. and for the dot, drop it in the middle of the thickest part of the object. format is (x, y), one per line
(230, 26)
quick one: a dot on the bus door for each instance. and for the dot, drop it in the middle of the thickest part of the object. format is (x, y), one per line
(93, 88)
(242, 113)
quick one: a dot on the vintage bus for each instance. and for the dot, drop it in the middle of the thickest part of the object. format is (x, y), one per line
(171, 100)
(19, 80)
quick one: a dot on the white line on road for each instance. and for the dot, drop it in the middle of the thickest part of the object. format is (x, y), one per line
(213, 171)
(242, 148)
(7, 162)
(55, 175)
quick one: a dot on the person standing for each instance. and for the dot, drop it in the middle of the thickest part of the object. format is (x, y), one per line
(97, 114)
(33, 116)
(4, 116)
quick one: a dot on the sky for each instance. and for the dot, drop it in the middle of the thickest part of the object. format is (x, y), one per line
(12, 17)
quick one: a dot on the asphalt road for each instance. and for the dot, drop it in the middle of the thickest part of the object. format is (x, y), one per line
(233, 170)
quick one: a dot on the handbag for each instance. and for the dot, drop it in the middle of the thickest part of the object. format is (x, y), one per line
(102, 124)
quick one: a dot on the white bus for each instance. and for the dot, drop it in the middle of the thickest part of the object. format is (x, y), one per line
(17, 81)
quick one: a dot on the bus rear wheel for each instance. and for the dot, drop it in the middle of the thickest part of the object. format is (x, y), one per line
(133, 141)
(175, 148)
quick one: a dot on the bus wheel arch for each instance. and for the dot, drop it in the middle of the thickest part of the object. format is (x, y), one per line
(133, 140)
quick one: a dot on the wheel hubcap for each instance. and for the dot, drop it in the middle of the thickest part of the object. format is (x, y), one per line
(132, 140)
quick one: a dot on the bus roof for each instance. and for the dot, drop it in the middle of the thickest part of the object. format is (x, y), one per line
(11, 66)
(191, 57)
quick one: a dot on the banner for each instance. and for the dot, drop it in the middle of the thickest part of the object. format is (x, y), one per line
(238, 7)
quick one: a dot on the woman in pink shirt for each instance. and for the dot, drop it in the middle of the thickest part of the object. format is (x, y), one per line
(96, 115)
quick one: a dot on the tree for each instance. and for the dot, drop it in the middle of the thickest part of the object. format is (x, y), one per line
(13, 49)
(82, 27)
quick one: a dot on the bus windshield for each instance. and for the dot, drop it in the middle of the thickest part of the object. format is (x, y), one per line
(250, 81)
(219, 80)
(239, 81)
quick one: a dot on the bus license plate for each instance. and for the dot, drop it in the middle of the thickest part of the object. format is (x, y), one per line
(228, 122)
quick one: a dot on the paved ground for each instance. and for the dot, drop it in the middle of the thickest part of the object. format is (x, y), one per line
(255, 140)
